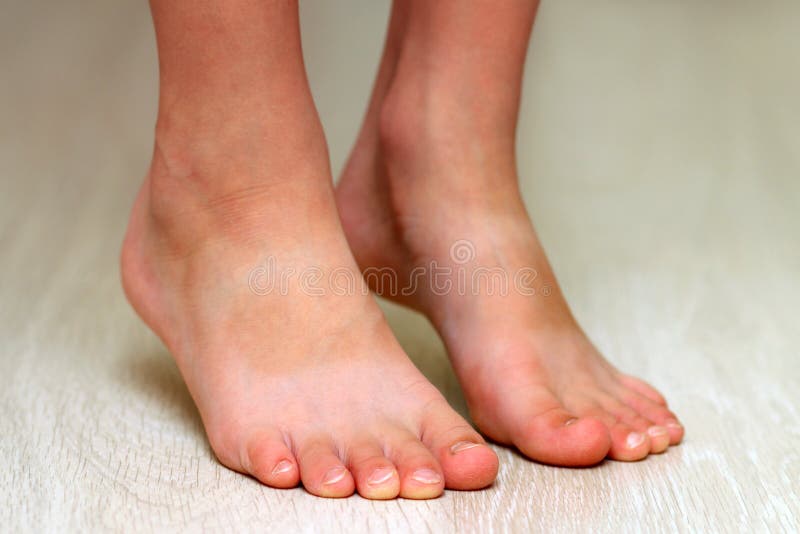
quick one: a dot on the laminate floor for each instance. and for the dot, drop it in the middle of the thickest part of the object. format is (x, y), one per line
(659, 147)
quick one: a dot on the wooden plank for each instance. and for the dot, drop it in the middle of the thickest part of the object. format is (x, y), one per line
(659, 152)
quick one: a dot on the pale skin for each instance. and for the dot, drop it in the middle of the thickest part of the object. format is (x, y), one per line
(307, 388)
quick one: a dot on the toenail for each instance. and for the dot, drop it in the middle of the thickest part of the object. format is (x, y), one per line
(657, 431)
(462, 446)
(426, 476)
(634, 440)
(674, 425)
(381, 475)
(282, 467)
(334, 475)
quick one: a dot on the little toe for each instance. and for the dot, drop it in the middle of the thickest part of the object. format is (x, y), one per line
(322, 471)
(421, 475)
(660, 415)
(375, 475)
(628, 444)
(269, 460)
(468, 463)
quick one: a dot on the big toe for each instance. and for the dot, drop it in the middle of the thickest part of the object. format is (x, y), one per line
(544, 430)
(558, 437)
(467, 461)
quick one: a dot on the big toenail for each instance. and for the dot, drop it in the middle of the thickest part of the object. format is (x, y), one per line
(380, 475)
(282, 467)
(426, 476)
(462, 446)
(334, 475)
(657, 431)
(634, 440)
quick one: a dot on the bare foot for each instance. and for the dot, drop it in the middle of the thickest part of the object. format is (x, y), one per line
(427, 191)
(294, 382)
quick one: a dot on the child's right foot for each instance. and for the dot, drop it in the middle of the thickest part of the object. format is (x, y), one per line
(290, 386)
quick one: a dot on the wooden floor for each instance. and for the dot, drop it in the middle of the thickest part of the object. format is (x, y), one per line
(660, 152)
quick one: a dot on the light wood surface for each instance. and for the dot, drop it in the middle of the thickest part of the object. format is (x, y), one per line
(660, 154)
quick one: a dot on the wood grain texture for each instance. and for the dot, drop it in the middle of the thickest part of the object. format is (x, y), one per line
(660, 156)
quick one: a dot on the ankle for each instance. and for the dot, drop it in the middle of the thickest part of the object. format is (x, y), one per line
(435, 149)
(216, 150)
(424, 112)
(214, 135)
(204, 175)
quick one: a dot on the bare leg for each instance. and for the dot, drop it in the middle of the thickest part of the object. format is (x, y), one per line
(296, 379)
(435, 165)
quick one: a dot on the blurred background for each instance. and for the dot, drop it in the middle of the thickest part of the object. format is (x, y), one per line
(659, 149)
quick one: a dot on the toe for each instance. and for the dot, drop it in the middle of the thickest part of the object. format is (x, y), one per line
(322, 471)
(643, 388)
(375, 475)
(467, 462)
(546, 432)
(659, 438)
(658, 435)
(559, 437)
(628, 444)
(421, 475)
(268, 459)
(657, 413)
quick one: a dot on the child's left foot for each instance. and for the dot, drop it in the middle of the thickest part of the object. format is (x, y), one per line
(421, 200)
